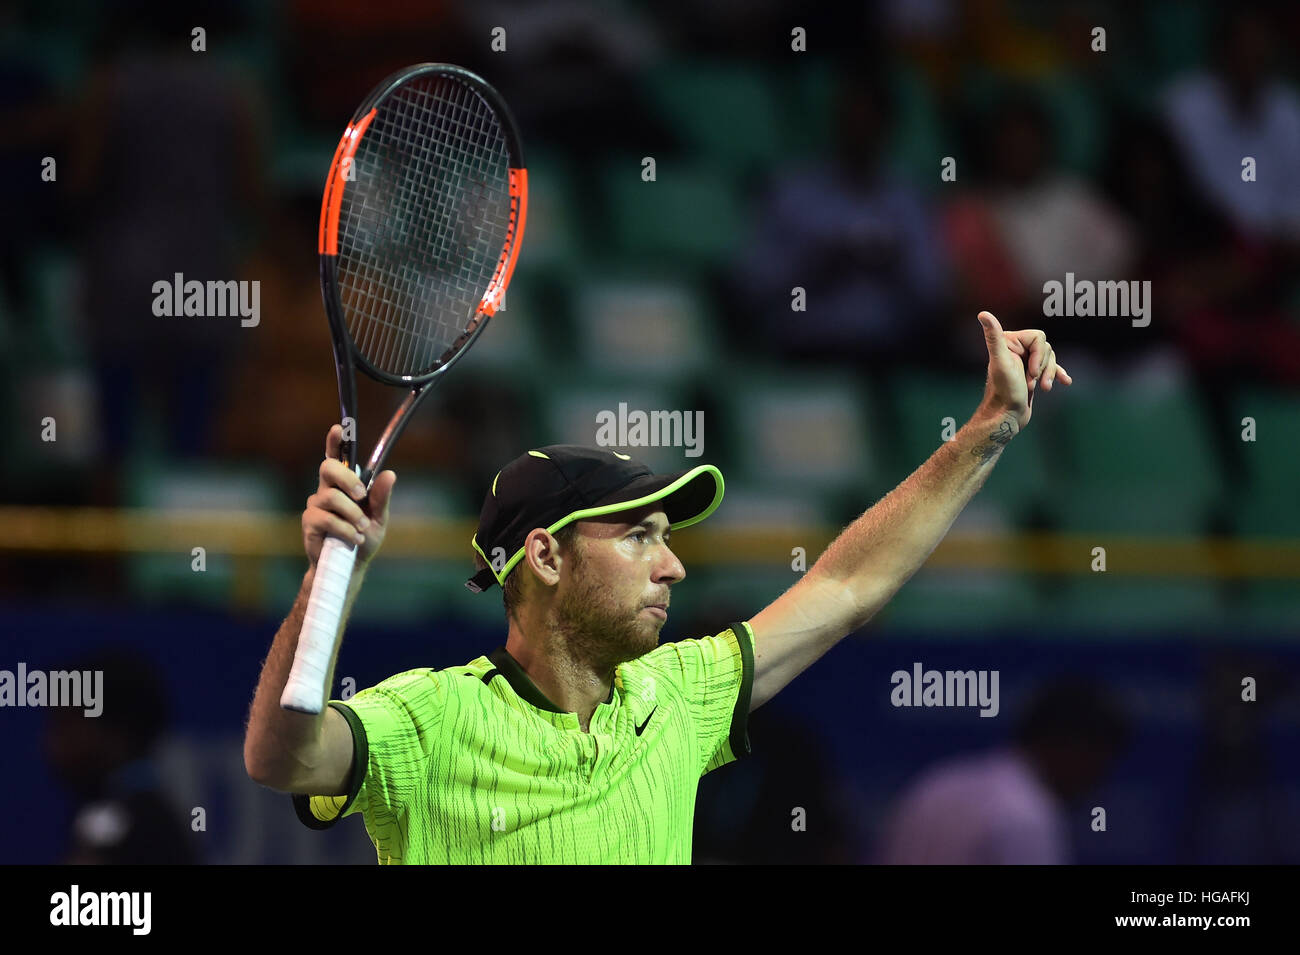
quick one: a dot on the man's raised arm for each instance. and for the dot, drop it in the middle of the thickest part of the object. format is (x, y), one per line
(300, 752)
(867, 564)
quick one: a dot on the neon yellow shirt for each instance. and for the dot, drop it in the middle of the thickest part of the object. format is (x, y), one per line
(473, 764)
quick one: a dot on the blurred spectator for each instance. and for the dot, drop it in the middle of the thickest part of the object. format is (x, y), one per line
(168, 173)
(1010, 806)
(1029, 222)
(1218, 119)
(763, 28)
(776, 806)
(335, 51)
(283, 420)
(33, 124)
(571, 72)
(1182, 240)
(1238, 814)
(860, 244)
(121, 814)
(1243, 109)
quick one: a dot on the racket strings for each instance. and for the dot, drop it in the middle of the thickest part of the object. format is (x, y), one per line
(390, 346)
(422, 224)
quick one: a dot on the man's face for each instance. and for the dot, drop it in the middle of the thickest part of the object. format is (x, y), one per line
(624, 566)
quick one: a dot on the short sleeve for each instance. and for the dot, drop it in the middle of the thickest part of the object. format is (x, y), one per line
(716, 675)
(393, 727)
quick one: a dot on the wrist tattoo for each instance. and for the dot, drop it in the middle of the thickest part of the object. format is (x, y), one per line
(995, 442)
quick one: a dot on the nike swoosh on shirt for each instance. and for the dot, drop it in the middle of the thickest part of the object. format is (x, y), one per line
(647, 720)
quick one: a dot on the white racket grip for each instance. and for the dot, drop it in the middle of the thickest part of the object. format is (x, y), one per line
(306, 690)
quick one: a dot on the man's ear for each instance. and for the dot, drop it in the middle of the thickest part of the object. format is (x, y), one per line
(542, 554)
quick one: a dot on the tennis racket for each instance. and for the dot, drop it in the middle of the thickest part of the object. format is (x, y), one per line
(420, 228)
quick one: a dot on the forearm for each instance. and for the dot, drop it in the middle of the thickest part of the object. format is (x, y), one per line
(884, 547)
(281, 743)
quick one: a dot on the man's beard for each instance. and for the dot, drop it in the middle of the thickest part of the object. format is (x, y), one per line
(597, 634)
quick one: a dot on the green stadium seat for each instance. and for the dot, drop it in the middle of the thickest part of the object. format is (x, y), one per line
(58, 340)
(806, 94)
(1269, 503)
(49, 375)
(1080, 128)
(690, 215)
(1267, 513)
(1178, 33)
(1270, 460)
(691, 96)
(798, 429)
(651, 328)
(918, 139)
(1134, 463)
(571, 409)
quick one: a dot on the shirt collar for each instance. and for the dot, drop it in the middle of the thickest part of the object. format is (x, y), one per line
(523, 685)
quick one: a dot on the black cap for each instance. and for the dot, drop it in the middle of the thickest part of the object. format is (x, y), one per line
(562, 483)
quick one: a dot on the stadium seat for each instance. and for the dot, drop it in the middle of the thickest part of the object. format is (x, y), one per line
(1134, 463)
(1269, 503)
(1267, 506)
(1080, 129)
(58, 340)
(805, 430)
(918, 139)
(1177, 31)
(689, 215)
(805, 93)
(650, 328)
(692, 96)
(571, 409)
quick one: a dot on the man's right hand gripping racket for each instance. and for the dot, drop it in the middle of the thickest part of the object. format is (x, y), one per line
(420, 228)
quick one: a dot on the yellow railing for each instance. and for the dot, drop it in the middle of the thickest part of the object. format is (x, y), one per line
(106, 531)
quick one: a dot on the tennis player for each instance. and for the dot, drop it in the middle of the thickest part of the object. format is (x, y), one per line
(582, 739)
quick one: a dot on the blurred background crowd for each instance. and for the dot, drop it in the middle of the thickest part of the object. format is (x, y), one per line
(913, 162)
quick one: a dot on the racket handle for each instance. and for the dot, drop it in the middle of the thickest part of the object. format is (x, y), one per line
(305, 691)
